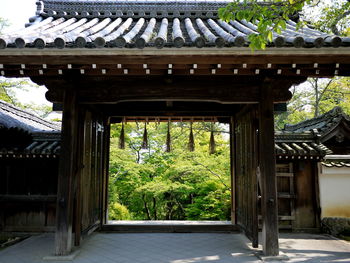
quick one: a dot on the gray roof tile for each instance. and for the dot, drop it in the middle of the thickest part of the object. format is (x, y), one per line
(117, 23)
(321, 124)
(13, 117)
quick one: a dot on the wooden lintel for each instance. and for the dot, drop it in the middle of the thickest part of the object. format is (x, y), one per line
(205, 71)
(175, 56)
(221, 89)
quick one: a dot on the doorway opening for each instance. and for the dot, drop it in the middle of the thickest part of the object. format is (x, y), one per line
(168, 169)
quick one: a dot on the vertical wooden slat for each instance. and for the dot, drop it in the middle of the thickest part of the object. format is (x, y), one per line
(85, 177)
(233, 179)
(268, 173)
(66, 177)
(105, 160)
(317, 197)
(78, 196)
(254, 178)
(100, 171)
(291, 190)
(246, 178)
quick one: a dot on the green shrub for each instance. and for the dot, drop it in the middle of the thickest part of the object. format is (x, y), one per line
(118, 211)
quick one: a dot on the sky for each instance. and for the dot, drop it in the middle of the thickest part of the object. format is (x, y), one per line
(18, 12)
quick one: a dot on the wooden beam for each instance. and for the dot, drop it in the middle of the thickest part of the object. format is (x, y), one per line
(268, 173)
(175, 56)
(66, 176)
(220, 89)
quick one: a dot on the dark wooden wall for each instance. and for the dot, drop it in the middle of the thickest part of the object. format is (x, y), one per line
(307, 207)
(298, 195)
(246, 163)
(28, 188)
(92, 174)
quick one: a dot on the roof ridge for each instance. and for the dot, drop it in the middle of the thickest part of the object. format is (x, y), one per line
(336, 111)
(27, 115)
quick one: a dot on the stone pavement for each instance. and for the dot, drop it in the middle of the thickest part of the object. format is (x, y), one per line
(179, 248)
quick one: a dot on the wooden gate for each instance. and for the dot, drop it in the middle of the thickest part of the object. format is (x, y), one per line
(246, 163)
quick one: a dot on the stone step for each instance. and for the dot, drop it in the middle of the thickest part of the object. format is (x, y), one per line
(169, 227)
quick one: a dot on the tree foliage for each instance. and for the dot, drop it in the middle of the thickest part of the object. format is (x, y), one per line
(314, 98)
(8, 88)
(179, 185)
(3, 24)
(333, 18)
(271, 15)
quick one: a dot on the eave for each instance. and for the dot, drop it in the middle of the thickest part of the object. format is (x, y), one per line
(325, 62)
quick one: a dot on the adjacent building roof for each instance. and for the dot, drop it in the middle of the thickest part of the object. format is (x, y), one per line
(26, 135)
(303, 145)
(337, 161)
(148, 23)
(13, 117)
(42, 145)
(324, 124)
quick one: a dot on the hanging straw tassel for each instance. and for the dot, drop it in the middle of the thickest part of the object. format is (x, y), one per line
(122, 138)
(212, 144)
(191, 141)
(168, 139)
(145, 138)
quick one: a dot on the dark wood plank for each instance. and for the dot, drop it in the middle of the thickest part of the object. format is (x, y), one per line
(28, 198)
(245, 172)
(317, 197)
(105, 173)
(78, 193)
(232, 171)
(205, 58)
(268, 173)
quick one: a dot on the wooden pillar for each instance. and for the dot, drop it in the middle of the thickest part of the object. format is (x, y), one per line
(269, 209)
(66, 176)
(232, 171)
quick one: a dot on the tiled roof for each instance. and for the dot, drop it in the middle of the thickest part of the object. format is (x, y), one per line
(145, 23)
(299, 146)
(336, 164)
(42, 145)
(13, 117)
(322, 124)
(337, 161)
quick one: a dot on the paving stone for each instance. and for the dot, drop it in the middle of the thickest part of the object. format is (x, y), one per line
(179, 248)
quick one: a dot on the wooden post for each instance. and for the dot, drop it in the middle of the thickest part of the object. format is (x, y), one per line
(66, 176)
(268, 173)
(233, 182)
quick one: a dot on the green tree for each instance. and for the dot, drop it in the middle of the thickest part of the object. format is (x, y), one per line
(8, 89)
(271, 15)
(179, 185)
(333, 18)
(314, 98)
(3, 24)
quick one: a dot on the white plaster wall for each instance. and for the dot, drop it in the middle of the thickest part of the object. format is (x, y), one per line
(334, 191)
